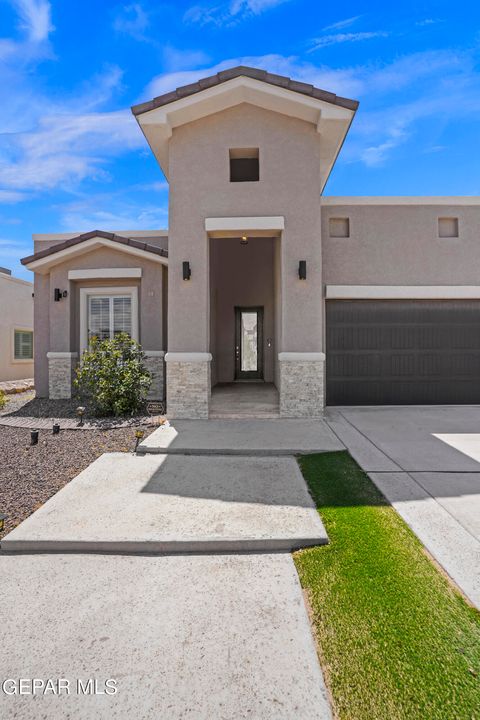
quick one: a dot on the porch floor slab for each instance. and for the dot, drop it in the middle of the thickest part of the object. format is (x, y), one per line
(259, 437)
(244, 400)
(146, 504)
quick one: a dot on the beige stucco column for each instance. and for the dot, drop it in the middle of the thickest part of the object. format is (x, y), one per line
(61, 359)
(301, 359)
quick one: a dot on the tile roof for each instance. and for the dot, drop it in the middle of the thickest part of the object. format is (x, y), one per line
(243, 70)
(88, 236)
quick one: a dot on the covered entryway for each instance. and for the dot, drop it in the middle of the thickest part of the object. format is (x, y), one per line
(243, 312)
(403, 352)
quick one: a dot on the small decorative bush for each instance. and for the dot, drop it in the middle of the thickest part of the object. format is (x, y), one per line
(112, 376)
(3, 399)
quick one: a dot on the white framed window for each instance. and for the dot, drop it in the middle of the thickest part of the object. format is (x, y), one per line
(22, 345)
(104, 312)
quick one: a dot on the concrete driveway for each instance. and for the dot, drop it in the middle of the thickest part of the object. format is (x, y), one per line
(426, 460)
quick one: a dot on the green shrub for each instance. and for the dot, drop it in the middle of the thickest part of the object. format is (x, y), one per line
(3, 399)
(112, 376)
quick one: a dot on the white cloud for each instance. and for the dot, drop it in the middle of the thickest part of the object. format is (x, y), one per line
(338, 38)
(89, 213)
(48, 142)
(11, 196)
(67, 148)
(341, 24)
(181, 59)
(35, 17)
(132, 20)
(428, 21)
(229, 13)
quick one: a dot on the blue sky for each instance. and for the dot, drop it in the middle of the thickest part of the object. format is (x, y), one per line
(73, 159)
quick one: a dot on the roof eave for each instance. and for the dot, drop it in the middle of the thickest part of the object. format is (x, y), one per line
(44, 260)
(243, 71)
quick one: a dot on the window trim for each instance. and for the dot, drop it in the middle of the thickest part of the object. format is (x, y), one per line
(21, 361)
(111, 291)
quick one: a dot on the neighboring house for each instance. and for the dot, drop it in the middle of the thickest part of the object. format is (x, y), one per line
(344, 300)
(16, 327)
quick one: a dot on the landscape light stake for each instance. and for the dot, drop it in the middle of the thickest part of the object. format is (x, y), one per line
(33, 437)
(55, 428)
(138, 436)
(80, 413)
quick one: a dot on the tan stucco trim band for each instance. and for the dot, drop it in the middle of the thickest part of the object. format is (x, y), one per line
(241, 224)
(301, 357)
(104, 273)
(154, 353)
(188, 357)
(403, 292)
(462, 200)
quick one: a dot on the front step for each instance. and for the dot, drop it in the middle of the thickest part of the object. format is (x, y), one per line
(124, 503)
(259, 438)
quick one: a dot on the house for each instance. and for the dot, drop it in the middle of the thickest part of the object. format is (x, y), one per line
(337, 300)
(16, 327)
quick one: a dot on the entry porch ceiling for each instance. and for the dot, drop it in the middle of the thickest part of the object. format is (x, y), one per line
(331, 118)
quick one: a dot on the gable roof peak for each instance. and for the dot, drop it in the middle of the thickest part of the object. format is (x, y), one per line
(249, 72)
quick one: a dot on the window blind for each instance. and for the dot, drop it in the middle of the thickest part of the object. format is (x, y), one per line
(109, 315)
(23, 341)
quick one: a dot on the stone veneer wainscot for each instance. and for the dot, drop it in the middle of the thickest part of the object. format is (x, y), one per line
(188, 384)
(301, 384)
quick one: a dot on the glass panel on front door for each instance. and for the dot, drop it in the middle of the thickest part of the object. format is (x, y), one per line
(249, 342)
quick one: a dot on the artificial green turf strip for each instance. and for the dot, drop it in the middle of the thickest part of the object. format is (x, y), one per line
(395, 639)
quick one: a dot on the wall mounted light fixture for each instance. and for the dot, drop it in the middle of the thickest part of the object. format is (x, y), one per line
(59, 294)
(187, 273)
(302, 269)
(244, 240)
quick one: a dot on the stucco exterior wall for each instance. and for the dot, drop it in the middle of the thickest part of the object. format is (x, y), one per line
(41, 346)
(16, 305)
(240, 275)
(58, 323)
(289, 185)
(399, 245)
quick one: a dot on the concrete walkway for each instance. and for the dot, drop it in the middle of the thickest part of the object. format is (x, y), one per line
(205, 637)
(426, 461)
(242, 437)
(209, 634)
(175, 504)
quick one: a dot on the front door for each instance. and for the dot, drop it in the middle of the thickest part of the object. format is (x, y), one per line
(249, 343)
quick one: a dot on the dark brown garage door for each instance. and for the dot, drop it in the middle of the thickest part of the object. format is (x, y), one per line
(403, 352)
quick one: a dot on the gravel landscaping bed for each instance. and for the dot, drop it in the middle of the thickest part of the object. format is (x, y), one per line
(30, 475)
(25, 405)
